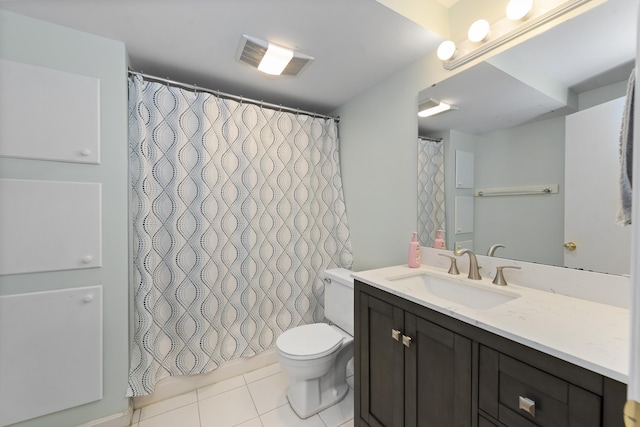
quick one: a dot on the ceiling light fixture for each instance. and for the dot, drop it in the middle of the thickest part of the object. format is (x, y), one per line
(479, 30)
(256, 53)
(275, 60)
(506, 29)
(446, 50)
(431, 107)
(519, 9)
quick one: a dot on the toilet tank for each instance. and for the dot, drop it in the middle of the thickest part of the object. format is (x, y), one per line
(338, 298)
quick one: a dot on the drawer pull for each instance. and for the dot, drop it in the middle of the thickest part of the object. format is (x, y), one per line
(406, 341)
(395, 334)
(527, 405)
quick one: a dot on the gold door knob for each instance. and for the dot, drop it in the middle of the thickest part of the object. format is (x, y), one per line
(571, 246)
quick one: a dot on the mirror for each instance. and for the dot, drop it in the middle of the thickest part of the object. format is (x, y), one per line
(512, 119)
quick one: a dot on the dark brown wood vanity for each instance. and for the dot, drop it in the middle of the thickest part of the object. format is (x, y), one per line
(417, 367)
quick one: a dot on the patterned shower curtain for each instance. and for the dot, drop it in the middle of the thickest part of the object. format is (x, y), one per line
(431, 201)
(236, 209)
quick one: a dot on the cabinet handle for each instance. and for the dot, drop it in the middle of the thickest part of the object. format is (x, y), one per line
(527, 405)
(406, 341)
(395, 334)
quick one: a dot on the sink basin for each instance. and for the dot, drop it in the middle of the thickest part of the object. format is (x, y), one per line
(458, 291)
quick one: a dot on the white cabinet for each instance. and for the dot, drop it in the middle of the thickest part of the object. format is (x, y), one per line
(48, 114)
(49, 225)
(50, 352)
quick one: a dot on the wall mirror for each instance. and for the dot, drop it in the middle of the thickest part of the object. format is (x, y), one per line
(515, 112)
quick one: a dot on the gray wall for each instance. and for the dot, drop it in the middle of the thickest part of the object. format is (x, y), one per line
(531, 227)
(35, 42)
(378, 146)
(378, 137)
(378, 152)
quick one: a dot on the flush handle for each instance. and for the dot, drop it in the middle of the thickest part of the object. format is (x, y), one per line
(527, 405)
(406, 341)
(395, 334)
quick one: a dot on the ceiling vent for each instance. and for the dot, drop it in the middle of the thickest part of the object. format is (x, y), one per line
(252, 50)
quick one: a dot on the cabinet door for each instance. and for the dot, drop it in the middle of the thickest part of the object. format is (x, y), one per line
(437, 376)
(382, 365)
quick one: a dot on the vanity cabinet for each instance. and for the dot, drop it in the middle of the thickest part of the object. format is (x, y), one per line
(417, 367)
(418, 373)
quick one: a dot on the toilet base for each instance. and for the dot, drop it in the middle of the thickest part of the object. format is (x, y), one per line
(329, 398)
(310, 396)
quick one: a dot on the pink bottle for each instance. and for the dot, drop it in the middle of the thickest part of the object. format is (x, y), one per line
(414, 251)
(438, 243)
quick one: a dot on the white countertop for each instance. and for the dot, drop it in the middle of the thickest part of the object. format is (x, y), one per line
(586, 333)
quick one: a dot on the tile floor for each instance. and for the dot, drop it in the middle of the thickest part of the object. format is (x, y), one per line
(255, 399)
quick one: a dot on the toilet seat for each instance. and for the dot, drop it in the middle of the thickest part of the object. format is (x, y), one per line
(309, 341)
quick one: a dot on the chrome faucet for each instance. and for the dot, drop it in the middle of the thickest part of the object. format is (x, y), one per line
(493, 248)
(474, 270)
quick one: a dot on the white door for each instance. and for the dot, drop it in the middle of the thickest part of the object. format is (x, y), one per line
(592, 168)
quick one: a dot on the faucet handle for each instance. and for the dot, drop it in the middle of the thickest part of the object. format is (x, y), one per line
(499, 279)
(453, 268)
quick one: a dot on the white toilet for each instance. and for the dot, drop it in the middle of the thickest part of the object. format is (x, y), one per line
(314, 357)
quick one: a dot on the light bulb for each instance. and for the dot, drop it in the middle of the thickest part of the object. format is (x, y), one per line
(518, 9)
(478, 30)
(275, 60)
(446, 50)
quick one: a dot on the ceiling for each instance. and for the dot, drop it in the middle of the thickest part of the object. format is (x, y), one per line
(355, 43)
(592, 50)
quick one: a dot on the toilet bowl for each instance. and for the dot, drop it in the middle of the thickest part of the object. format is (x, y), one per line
(314, 357)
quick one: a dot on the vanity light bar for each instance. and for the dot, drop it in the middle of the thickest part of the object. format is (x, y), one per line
(515, 33)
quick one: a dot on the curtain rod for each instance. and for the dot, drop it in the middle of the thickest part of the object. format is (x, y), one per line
(233, 97)
(428, 138)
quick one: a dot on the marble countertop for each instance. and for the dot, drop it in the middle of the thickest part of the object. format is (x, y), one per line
(586, 333)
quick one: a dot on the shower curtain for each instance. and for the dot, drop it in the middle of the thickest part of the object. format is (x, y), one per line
(431, 201)
(236, 209)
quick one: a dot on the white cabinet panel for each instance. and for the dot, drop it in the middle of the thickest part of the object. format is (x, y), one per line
(50, 352)
(49, 225)
(465, 169)
(464, 215)
(48, 114)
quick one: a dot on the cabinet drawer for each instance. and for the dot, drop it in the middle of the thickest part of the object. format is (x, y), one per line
(520, 395)
(483, 422)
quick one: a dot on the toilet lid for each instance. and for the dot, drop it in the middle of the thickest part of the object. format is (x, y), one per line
(316, 339)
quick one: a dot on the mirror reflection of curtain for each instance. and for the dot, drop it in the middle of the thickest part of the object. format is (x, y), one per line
(431, 206)
(236, 209)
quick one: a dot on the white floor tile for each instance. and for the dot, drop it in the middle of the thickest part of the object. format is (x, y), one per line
(220, 387)
(285, 417)
(261, 373)
(340, 413)
(236, 402)
(186, 416)
(227, 409)
(251, 423)
(270, 392)
(168, 405)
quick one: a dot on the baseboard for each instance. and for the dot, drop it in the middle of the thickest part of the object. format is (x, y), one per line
(121, 419)
(174, 386)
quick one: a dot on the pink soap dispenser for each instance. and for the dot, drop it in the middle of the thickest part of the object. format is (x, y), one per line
(414, 251)
(438, 243)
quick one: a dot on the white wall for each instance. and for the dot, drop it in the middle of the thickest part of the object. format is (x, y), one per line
(38, 43)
